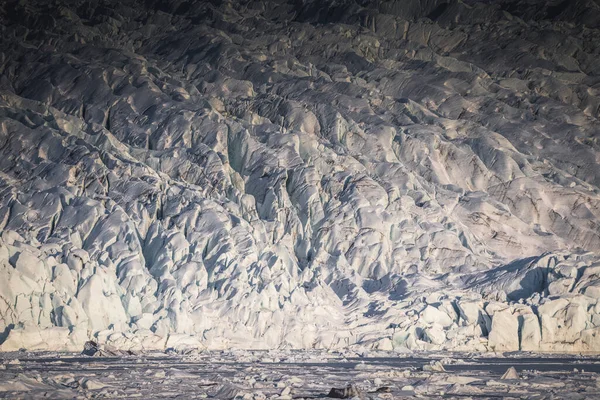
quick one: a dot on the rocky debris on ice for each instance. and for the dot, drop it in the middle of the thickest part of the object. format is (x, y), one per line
(349, 392)
(91, 348)
(312, 174)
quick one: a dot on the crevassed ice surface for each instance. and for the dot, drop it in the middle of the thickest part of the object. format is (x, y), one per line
(300, 174)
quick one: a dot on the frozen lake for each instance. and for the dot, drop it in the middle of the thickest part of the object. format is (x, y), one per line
(296, 375)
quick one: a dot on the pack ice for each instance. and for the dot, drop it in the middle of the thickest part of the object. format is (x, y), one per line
(300, 174)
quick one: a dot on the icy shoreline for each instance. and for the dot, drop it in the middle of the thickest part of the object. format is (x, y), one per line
(298, 375)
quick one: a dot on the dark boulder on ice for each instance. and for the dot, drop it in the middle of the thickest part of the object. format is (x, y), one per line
(91, 348)
(349, 392)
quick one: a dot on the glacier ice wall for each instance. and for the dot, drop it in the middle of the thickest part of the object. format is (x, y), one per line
(299, 174)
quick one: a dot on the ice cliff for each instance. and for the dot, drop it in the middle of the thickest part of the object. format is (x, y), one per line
(300, 174)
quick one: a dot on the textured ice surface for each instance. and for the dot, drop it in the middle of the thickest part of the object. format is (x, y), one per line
(300, 174)
(286, 375)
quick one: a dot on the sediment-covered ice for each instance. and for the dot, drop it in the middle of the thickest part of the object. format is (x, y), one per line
(258, 174)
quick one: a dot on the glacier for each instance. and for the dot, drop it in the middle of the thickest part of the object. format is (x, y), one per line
(295, 174)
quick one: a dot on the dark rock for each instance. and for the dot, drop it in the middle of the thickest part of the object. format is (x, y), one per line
(348, 392)
(384, 389)
(91, 348)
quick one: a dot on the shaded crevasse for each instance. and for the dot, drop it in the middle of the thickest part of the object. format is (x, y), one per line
(277, 174)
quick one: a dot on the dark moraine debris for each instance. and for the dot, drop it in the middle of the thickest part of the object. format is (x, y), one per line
(348, 392)
(91, 348)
